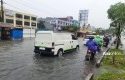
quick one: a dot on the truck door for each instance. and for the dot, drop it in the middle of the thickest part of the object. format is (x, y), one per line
(74, 41)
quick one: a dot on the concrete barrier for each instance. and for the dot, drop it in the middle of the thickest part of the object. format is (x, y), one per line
(99, 61)
(90, 76)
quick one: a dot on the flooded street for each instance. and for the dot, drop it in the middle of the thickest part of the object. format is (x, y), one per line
(19, 62)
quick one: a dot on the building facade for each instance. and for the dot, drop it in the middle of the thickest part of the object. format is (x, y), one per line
(83, 17)
(75, 23)
(19, 20)
(57, 23)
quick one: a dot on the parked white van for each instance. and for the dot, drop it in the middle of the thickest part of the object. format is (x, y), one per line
(54, 43)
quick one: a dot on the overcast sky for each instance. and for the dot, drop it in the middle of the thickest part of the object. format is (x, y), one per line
(63, 8)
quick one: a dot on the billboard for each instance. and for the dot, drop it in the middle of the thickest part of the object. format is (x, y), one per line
(9, 13)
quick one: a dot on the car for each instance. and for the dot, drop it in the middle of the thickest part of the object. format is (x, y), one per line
(86, 38)
(55, 43)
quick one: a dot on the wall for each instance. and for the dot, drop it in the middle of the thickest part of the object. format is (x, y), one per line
(28, 33)
(16, 33)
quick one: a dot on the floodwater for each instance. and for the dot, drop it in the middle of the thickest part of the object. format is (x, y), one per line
(19, 62)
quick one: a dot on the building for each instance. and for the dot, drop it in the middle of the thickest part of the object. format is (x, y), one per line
(47, 22)
(15, 22)
(83, 18)
(75, 23)
(58, 23)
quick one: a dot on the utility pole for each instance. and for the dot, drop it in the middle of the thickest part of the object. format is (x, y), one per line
(2, 11)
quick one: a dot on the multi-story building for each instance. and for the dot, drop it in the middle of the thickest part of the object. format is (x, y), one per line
(19, 20)
(60, 22)
(57, 23)
(83, 17)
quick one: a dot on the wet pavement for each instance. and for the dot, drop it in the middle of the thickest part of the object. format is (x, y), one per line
(19, 62)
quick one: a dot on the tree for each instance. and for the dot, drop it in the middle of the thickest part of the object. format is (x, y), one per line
(41, 25)
(70, 28)
(117, 15)
(100, 32)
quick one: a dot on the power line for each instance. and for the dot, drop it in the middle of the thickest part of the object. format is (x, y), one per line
(41, 7)
(24, 10)
(35, 8)
(51, 8)
(15, 7)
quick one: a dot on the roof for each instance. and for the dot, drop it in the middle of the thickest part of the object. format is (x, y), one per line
(65, 19)
(83, 31)
(52, 32)
(6, 25)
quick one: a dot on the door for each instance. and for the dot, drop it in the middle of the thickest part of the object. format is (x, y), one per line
(67, 41)
(74, 41)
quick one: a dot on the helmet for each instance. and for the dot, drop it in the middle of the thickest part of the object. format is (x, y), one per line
(98, 36)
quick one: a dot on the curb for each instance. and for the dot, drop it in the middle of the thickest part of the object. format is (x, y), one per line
(90, 76)
(99, 61)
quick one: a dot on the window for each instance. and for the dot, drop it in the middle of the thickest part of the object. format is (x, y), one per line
(87, 36)
(26, 17)
(61, 22)
(66, 24)
(33, 24)
(9, 21)
(27, 23)
(19, 15)
(74, 37)
(18, 22)
(34, 18)
(58, 22)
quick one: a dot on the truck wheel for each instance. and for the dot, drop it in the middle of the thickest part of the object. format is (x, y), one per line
(60, 52)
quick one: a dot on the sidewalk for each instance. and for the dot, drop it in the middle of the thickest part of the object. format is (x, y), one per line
(98, 71)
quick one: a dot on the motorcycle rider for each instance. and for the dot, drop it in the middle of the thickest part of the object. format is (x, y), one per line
(99, 41)
(92, 45)
(106, 39)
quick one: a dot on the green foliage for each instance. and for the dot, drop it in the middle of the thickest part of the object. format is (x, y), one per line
(41, 25)
(112, 76)
(119, 58)
(70, 28)
(113, 72)
(100, 32)
(116, 11)
(117, 15)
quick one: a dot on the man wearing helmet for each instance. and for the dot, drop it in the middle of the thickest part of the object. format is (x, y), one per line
(106, 39)
(91, 44)
(99, 41)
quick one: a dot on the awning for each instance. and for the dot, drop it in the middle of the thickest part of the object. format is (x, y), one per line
(7, 25)
(83, 31)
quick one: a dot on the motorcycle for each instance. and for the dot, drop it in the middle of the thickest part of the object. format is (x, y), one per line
(90, 55)
(105, 44)
(98, 48)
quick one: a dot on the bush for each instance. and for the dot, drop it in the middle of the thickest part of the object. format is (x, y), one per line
(112, 76)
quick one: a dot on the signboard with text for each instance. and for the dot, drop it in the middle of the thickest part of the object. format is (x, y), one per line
(9, 13)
